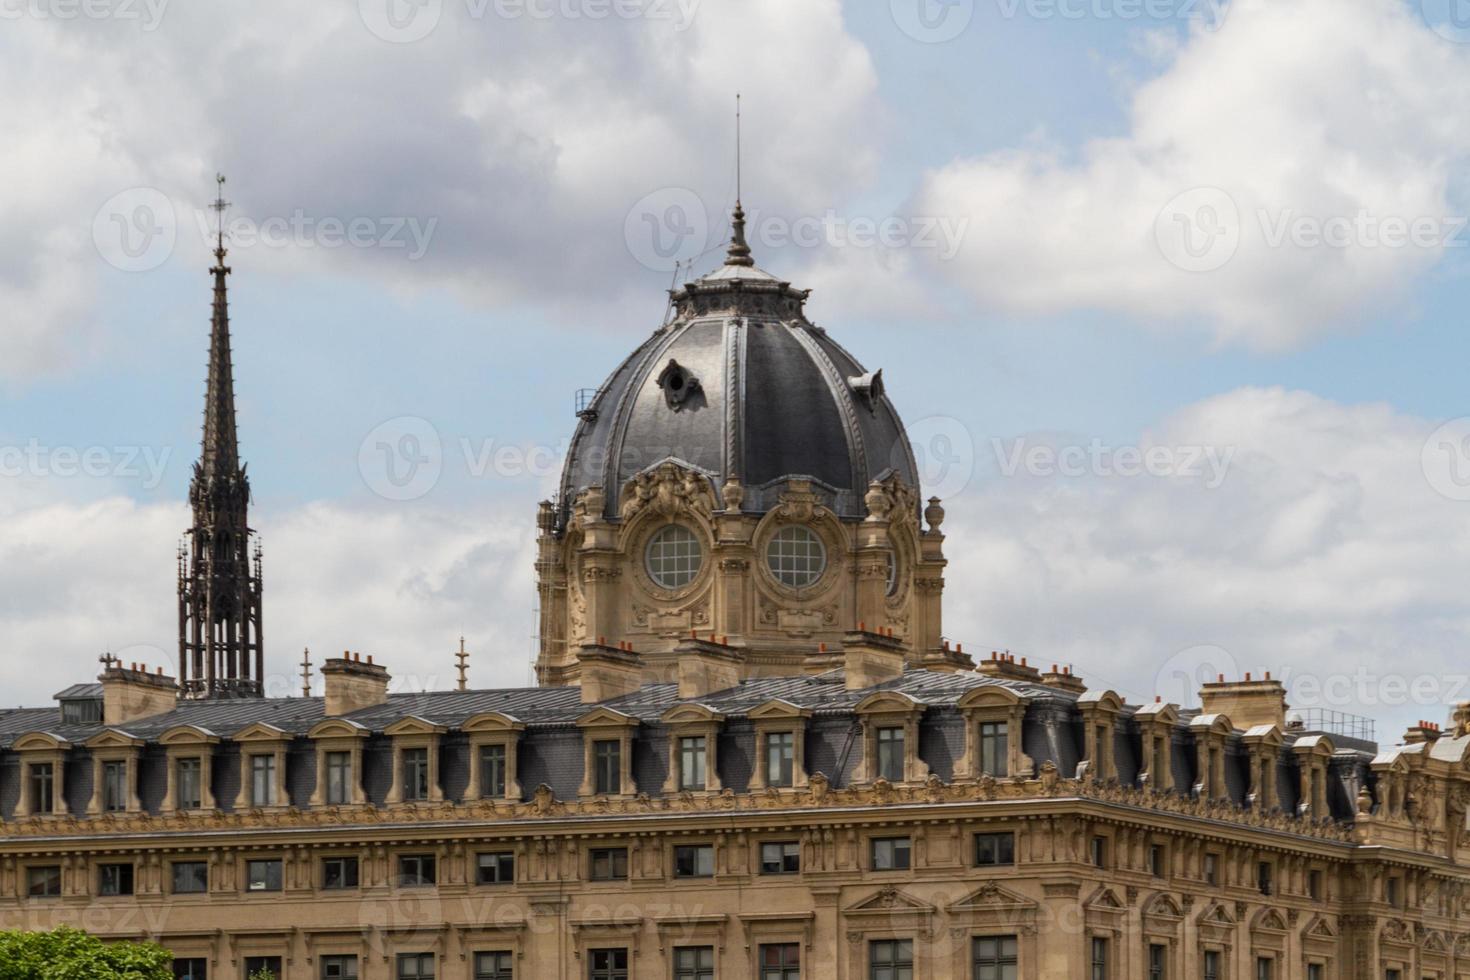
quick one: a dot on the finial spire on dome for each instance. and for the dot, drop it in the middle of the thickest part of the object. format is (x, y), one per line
(739, 251)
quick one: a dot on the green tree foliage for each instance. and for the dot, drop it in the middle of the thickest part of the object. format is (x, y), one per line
(68, 954)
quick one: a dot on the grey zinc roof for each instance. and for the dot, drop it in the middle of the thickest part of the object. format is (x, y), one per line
(78, 692)
(534, 706)
(773, 402)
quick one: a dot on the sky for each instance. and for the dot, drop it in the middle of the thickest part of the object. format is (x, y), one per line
(1169, 293)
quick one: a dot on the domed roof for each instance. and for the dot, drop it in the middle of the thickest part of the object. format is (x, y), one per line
(740, 386)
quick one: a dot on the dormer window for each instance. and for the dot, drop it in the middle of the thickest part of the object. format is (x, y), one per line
(339, 778)
(415, 774)
(780, 758)
(263, 780)
(891, 754)
(994, 749)
(693, 756)
(608, 758)
(492, 771)
(692, 763)
(890, 738)
(187, 784)
(114, 787)
(43, 787)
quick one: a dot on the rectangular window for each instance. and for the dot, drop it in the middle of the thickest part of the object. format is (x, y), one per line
(1099, 958)
(415, 966)
(1315, 971)
(191, 970)
(1158, 862)
(608, 863)
(994, 748)
(1392, 975)
(607, 964)
(1156, 959)
(780, 758)
(114, 787)
(694, 963)
(493, 966)
(191, 877)
(114, 879)
(607, 759)
(43, 882)
(780, 858)
(1314, 885)
(890, 854)
(339, 968)
(492, 771)
(339, 872)
(496, 868)
(43, 785)
(263, 780)
(188, 784)
(339, 778)
(1212, 964)
(891, 959)
(780, 961)
(994, 958)
(415, 774)
(1265, 968)
(694, 861)
(267, 965)
(890, 754)
(1391, 891)
(1099, 852)
(1212, 869)
(1263, 877)
(416, 870)
(263, 876)
(692, 762)
(994, 849)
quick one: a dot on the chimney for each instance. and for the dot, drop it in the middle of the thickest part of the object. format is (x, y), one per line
(1425, 731)
(129, 693)
(706, 666)
(1246, 703)
(1005, 665)
(352, 684)
(870, 658)
(608, 672)
(1064, 680)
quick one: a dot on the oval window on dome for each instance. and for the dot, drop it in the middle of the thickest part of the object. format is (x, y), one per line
(673, 557)
(796, 556)
(892, 584)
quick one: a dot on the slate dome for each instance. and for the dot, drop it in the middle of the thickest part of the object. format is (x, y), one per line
(741, 387)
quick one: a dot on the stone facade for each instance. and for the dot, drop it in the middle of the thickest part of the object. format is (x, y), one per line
(798, 815)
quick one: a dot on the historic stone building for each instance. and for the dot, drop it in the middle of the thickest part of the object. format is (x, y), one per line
(752, 756)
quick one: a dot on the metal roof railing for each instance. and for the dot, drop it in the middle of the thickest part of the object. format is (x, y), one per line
(1331, 722)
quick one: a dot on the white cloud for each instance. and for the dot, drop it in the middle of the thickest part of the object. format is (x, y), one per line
(1326, 547)
(400, 583)
(526, 140)
(1297, 109)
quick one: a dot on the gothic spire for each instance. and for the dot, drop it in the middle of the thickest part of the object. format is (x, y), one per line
(221, 651)
(220, 452)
